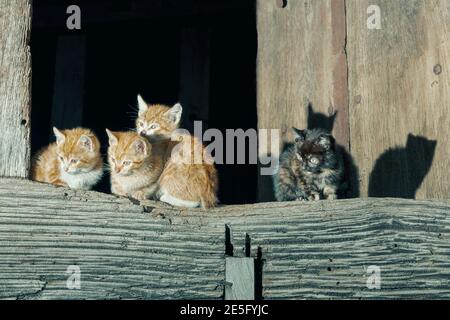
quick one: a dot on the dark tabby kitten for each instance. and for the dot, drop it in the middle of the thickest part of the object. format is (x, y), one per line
(311, 169)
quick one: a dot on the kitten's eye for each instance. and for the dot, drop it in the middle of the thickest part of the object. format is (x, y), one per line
(127, 163)
(73, 161)
(61, 158)
(314, 160)
(141, 124)
(113, 160)
(154, 126)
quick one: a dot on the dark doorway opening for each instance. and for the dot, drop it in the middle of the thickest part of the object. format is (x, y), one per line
(201, 53)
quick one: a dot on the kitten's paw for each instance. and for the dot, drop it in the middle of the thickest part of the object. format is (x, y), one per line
(330, 193)
(314, 197)
(331, 197)
(139, 195)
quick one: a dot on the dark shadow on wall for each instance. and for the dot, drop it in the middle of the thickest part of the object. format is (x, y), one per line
(320, 120)
(399, 172)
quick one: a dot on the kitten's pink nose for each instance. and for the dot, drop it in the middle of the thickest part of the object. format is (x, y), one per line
(143, 133)
(66, 169)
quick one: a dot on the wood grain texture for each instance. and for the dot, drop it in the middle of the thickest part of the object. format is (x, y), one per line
(309, 250)
(15, 88)
(301, 60)
(399, 84)
(322, 250)
(122, 251)
(240, 278)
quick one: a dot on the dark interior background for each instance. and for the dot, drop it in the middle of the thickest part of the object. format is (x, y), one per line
(132, 47)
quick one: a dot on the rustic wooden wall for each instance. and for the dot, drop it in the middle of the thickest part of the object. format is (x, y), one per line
(392, 102)
(304, 250)
(399, 82)
(15, 87)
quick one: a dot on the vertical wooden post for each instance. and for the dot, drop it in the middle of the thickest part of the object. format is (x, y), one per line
(194, 75)
(240, 278)
(68, 96)
(15, 87)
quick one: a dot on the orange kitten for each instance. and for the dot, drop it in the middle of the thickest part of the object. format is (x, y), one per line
(185, 182)
(74, 160)
(157, 122)
(135, 165)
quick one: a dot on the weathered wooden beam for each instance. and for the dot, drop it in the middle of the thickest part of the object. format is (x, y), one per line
(122, 251)
(15, 88)
(324, 250)
(307, 250)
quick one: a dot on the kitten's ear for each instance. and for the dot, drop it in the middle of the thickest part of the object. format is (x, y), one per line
(112, 138)
(141, 147)
(174, 114)
(143, 106)
(86, 142)
(326, 141)
(299, 135)
(60, 137)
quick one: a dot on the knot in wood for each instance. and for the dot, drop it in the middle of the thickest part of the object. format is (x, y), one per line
(437, 69)
(281, 3)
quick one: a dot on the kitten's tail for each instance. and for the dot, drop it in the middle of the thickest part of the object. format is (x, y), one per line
(209, 196)
(209, 199)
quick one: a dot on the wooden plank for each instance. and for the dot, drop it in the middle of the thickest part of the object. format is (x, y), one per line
(68, 93)
(15, 88)
(239, 278)
(301, 60)
(399, 83)
(122, 251)
(308, 250)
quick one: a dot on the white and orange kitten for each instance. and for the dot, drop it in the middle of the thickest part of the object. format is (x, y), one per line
(73, 161)
(183, 182)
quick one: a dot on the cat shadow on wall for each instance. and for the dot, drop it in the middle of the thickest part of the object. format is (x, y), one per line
(317, 120)
(320, 120)
(400, 171)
